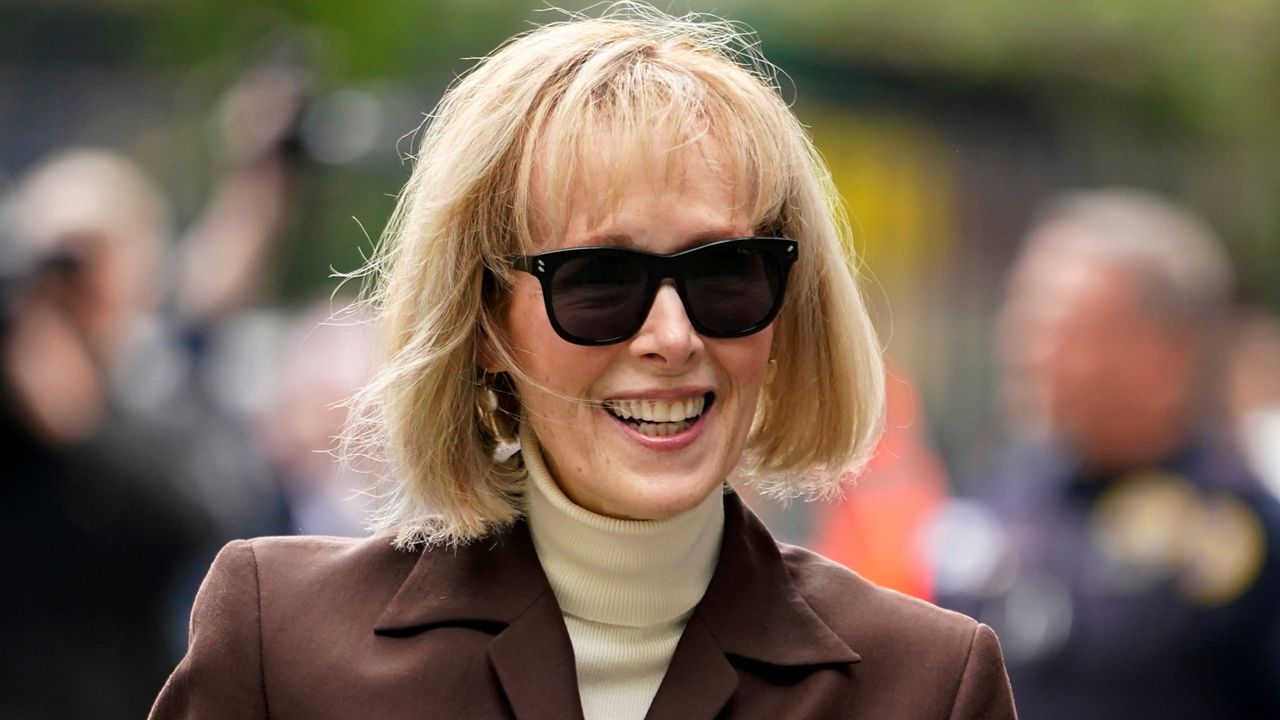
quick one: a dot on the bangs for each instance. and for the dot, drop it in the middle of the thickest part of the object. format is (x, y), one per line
(647, 113)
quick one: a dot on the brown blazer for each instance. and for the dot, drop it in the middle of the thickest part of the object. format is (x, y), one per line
(315, 628)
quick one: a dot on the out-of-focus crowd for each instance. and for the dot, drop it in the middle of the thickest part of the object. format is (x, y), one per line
(1124, 541)
(152, 410)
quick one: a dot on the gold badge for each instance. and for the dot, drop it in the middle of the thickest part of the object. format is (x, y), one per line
(1139, 528)
(1226, 549)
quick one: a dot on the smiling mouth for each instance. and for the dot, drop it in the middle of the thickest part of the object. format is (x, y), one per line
(660, 418)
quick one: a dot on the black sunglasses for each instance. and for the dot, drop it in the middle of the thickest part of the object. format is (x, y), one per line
(602, 295)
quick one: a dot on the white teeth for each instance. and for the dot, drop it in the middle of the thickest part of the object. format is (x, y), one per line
(658, 411)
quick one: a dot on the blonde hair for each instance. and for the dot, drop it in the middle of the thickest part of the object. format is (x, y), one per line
(655, 85)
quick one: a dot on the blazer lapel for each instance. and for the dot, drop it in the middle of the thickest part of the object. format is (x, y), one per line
(498, 582)
(534, 661)
(752, 610)
(699, 681)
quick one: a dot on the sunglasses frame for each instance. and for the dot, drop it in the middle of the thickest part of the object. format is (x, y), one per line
(659, 268)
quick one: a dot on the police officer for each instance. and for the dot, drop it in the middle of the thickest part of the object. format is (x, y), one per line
(1129, 561)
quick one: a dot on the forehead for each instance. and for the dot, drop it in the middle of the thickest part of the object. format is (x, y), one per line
(1063, 287)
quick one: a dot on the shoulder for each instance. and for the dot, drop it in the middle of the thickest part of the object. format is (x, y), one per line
(906, 646)
(301, 566)
(863, 613)
(304, 556)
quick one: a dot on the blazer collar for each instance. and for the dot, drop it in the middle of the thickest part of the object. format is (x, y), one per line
(496, 581)
(492, 580)
(752, 609)
(753, 606)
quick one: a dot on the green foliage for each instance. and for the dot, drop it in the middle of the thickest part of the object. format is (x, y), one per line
(1211, 66)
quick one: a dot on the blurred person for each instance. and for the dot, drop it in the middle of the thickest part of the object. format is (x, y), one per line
(327, 357)
(98, 209)
(1132, 566)
(127, 469)
(155, 337)
(619, 251)
(96, 542)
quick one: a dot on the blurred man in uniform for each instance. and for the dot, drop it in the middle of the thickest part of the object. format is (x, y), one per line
(1134, 567)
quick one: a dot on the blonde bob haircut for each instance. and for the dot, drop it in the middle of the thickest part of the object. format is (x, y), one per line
(519, 129)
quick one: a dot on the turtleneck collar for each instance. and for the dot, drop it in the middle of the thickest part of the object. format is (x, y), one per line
(621, 572)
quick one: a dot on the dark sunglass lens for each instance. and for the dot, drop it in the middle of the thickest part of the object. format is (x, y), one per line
(732, 289)
(599, 297)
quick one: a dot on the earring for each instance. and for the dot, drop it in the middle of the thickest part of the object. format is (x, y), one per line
(772, 372)
(486, 401)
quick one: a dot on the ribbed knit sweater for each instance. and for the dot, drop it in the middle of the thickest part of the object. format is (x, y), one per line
(626, 588)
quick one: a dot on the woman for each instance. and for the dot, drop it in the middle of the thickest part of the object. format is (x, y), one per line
(591, 260)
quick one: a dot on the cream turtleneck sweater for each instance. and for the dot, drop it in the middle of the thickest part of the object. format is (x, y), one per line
(626, 588)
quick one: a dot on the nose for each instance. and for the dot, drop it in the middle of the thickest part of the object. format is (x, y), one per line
(667, 336)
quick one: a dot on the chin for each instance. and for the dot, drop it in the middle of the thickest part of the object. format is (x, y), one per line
(664, 503)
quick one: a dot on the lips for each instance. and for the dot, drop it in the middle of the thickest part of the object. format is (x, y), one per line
(660, 418)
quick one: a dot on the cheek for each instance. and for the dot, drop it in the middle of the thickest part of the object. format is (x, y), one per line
(556, 372)
(746, 360)
(533, 343)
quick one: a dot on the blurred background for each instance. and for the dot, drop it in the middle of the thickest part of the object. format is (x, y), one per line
(174, 333)
(946, 125)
